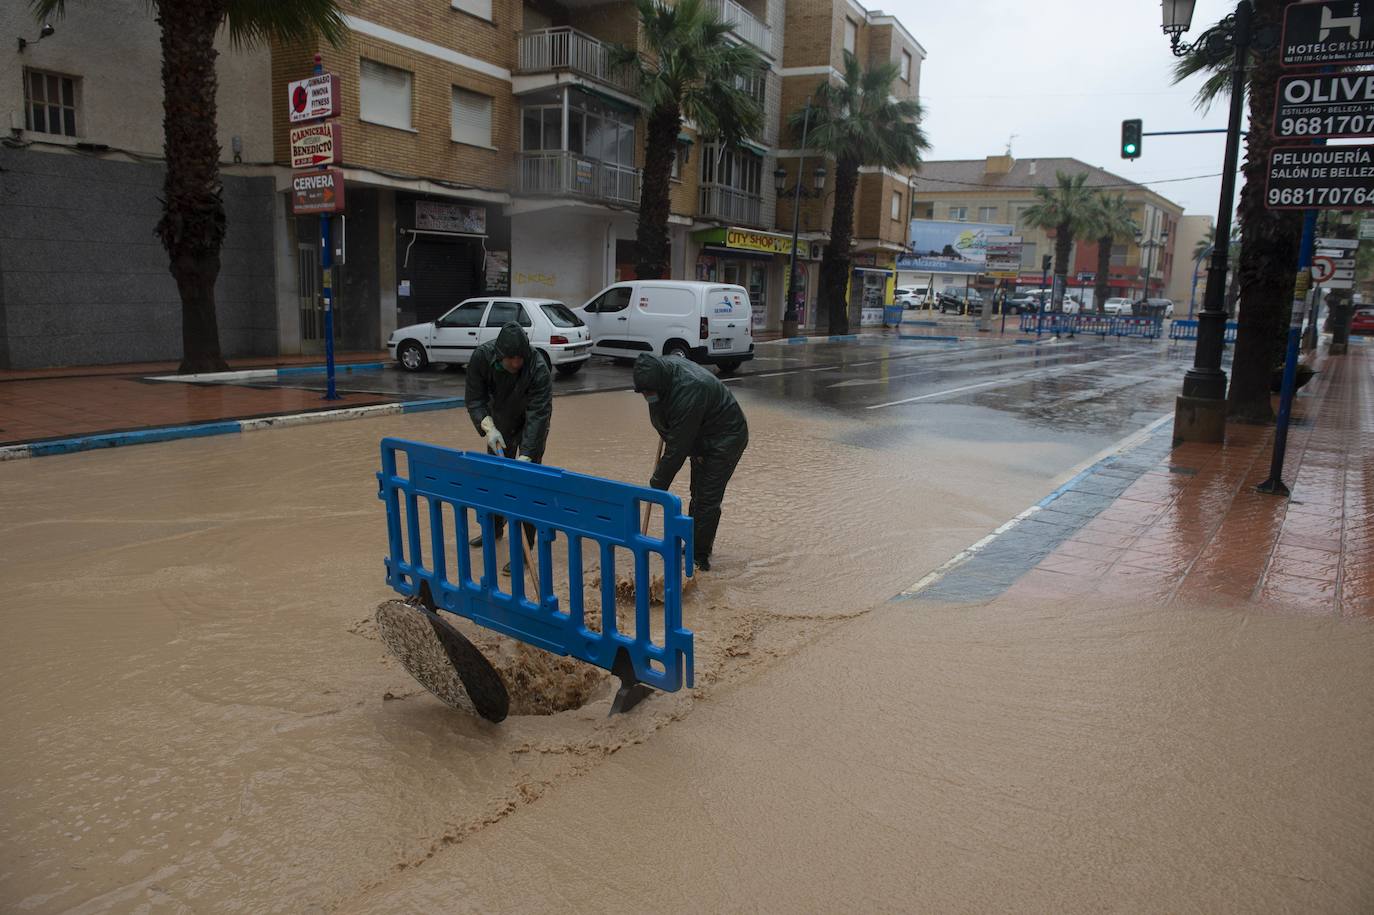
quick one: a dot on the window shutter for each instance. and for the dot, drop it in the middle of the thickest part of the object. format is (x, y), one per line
(479, 8)
(471, 118)
(385, 95)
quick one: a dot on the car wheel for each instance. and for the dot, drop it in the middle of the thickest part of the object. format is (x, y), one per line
(412, 356)
(730, 367)
(677, 348)
(548, 363)
(571, 368)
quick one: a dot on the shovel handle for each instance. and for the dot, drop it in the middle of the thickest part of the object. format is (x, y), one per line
(648, 506)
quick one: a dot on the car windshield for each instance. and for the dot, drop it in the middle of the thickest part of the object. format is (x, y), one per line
(560, 315)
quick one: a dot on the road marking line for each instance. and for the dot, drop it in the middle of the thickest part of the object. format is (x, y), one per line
(999, 382)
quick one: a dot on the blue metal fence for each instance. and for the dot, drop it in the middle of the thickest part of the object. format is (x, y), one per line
(1186, 329)
(552, 501)
(1092, 324)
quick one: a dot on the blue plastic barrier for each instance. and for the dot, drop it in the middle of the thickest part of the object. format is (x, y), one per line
(553, 501)
(892, 315)
(1186, 329)
(1100, 325)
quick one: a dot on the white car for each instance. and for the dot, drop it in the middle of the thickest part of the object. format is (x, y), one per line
(1117, 306)
(555, 332)
(709, 323)
(911, 296)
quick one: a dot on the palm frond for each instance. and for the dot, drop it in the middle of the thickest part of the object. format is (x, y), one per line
(257, 22)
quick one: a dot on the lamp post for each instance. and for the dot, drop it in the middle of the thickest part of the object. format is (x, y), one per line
(1200, 411)
(790, 318)
(1151, 246)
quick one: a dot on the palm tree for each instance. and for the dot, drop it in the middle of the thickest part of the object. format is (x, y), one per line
(1065, 209)
(192, 223)
(688, 68)
(1266, 268)
(1108, 220)
(858, 123)
(1204, 248)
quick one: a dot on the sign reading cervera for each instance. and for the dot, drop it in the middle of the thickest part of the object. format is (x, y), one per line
(942, 246)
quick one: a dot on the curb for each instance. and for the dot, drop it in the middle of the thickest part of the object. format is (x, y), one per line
(223, 427)
(285, 371)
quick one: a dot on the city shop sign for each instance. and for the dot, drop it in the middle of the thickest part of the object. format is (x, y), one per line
(316, 144)
(757, 241)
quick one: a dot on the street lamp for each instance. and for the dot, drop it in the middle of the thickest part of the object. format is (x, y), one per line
(790, 317)
(1151, 245)
(1200, 412)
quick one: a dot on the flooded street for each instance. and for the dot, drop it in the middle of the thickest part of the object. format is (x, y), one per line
(200, 716)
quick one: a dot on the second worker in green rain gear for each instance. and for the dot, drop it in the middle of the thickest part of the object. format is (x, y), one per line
(509, 396)
(698, 419)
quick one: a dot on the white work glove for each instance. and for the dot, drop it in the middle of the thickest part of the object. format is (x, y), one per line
(524, 457)
(496, 444)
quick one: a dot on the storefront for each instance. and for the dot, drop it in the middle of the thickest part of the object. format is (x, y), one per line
(871, 285)
(758, 261)
(447, 251)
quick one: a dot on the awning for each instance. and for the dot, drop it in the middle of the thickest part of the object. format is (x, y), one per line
(736, 253)
(686, 139)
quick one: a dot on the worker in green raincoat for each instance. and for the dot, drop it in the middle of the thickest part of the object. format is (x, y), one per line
(509, 396)
(698, 419)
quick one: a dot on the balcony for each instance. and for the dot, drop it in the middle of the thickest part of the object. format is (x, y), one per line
(566, 49)
(729, 205)
(564, 174)
(743, 23)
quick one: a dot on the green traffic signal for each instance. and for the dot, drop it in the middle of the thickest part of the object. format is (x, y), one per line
(1131, 134)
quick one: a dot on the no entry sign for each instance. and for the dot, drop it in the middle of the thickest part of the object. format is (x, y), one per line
(1329, 32)
(313, 98)
(316, 144)
(1325, 105)
(1317, 177)
(317, 192)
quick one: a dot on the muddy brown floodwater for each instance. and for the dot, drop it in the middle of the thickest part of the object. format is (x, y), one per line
(198, 715)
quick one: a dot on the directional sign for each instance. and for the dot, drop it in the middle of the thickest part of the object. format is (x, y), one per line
(1328, 32)
(1339, 284)
(1366, 229)
(317, 192)
(1343, 275)
(1349, 244)
(1321, 177)
(1323, 269)
(316, 144)
(1322, 105)
(313, 98)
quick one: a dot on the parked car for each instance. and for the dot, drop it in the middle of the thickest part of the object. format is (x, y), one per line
(911, 296)
(1154, 308)
(1043, 298)
(555, 332)
(1362, 322)
(1022, 302)
(1117, 306)
(959, 300)
(709, 323)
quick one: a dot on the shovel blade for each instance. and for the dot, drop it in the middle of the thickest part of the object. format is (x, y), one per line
(442, 660)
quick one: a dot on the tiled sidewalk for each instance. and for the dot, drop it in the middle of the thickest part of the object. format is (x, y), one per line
(1185, 525)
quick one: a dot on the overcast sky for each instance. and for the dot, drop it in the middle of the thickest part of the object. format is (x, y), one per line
(1061, 75)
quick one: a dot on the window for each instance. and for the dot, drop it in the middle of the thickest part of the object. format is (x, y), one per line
(50, 103)
(595, 130)
(896, 205)
(471, 118)
(1118, 255)
(502, 313)
(385, 95)
(851, 35)
(560, 315)
(906, 66)
(733, 168)
(959, 214)
(479, 8)
(614, 299)
(987, 214)
(469, 314)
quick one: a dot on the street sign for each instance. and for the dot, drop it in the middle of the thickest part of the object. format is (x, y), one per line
(1328, 32)
(313, 98)
(316, 144)
(1325, 105)
(1321, 177)
(1323, 269)
(1339, 284)
(1348, 244)
(1366, 229)
(1344, 275)
(1002, 256)
(317, 192)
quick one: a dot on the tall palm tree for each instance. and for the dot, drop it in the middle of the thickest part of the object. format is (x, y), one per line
(192, 224)
(1109, 219)
(857, 122)
(1266, 268)
(688, 68)
(1065, 209)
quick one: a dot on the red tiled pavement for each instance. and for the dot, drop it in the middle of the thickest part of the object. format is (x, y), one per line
(1194, 530)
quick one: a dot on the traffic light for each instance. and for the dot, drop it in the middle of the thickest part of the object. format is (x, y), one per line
(1045, 261)
(1130, 139)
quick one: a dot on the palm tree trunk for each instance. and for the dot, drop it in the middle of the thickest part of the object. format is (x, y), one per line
(835, 265)
(192, 224)
(1104, 266)
(1270, 249)
(653, 250)
(1063, 243)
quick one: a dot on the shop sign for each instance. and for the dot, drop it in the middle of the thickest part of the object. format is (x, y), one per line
(1328, 32)
(745, 240)
(319, 192)
(1321, 177)
(316, 144)
(945, 246)
(450, 217)
(313, 98)
(1002, 256)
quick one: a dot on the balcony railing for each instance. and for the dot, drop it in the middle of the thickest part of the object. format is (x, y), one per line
(743, 23)
(568, 174)
(730, 205)
(550, 50)
(755, 85)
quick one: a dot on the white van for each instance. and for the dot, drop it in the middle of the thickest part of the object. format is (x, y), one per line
(709, 323)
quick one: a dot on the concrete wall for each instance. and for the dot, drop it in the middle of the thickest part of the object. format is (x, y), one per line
(85, 279)
(565, 254)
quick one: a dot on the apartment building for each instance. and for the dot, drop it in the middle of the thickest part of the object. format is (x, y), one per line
(999, 189)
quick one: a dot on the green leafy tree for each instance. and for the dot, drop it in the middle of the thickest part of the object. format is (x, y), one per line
(192, 225)
(687, 67)
(1067, 210)
(1109, 219)
(1268, 259)
(857, 122)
